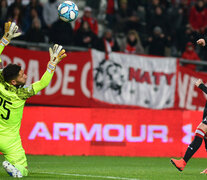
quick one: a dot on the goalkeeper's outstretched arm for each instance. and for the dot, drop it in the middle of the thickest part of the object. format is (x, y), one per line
(10, 32)
(56, 55)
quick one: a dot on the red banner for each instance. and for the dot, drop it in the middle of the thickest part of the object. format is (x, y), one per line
(111, 132)
(73, 81)
(71, 84)
(189, 96)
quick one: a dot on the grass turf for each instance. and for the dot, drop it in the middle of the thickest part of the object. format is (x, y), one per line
(106, 168)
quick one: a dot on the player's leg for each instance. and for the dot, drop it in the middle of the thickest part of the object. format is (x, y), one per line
(196, 143)
(205, 140)
(15, 159)
(18, 160)
(204, 171)
(192, 148)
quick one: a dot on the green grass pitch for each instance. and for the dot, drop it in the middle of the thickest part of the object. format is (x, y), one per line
(107, 168)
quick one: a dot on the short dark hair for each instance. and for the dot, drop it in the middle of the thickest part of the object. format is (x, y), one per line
(10, 72)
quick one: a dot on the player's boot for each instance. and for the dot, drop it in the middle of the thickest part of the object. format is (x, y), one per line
(11, 170)
(204, 171)
(179, 164)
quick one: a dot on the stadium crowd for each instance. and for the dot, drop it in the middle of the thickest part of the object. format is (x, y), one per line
(155, 27)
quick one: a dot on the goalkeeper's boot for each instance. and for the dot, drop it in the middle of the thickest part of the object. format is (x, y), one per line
(204, 171)
(11, 170)
(179, 164)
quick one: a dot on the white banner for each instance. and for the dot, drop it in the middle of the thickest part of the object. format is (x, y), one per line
(148, 82)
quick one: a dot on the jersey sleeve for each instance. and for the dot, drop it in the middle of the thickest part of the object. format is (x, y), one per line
(27, 91)
(1, 49)
(203, 88)
(44, 82)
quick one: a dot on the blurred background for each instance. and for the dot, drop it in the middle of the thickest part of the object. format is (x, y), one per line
(153, 27)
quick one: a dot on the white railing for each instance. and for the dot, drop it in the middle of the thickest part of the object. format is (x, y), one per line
(43, 46)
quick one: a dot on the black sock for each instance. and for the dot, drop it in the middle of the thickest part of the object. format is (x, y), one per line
(192, 148)
(205, 140)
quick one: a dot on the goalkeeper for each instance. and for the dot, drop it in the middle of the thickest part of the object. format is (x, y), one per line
(13, 94)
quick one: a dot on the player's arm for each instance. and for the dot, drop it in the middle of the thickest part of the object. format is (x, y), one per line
(56, 55)
(10, 32)
(199, 83)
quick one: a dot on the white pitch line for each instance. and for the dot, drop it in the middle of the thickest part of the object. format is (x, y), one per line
(84, 175)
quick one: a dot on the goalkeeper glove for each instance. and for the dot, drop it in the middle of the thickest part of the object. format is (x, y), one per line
(10, 32)
(56, 55)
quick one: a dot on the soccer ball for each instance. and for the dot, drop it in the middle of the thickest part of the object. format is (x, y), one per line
(68, 11)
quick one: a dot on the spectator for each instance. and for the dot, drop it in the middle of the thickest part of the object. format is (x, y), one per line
(198, 17)
(141, 14)
(16, 3)
(29, 13)
(190, 54)
(120, 15)
(132, 44)
(126, 18)
(64, 31)
(3, 10)
(108, 42)
(34, 4)
(94, 4)
(178, 17)
(184, 10)
(184, 36)
(87, 17)
(3, 14)
(158, 42)
(29, 19)
(158, 19)
(150, 9)
(35, 33)
(84, 36)
(50, 13)
(111, 8)
(175, 13)
(17, 17)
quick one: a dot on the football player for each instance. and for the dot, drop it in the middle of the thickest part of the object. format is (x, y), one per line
(13, 95)
(200, 133)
